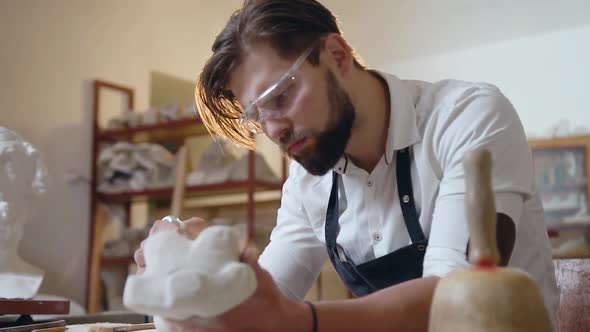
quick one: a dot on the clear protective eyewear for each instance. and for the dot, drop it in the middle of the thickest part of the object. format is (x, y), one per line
(275, 101)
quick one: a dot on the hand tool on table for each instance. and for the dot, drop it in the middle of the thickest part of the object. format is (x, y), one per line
(486, 297)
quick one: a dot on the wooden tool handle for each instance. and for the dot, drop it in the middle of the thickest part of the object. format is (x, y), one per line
(179, 182)
(480, 208)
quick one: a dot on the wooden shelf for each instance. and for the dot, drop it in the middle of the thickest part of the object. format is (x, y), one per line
(34, 307)
(174, 134)
(158, 132)
(573, 226)
(117, 261)
(581, 187)
(541, 144)
(191, 191)
(232, 199)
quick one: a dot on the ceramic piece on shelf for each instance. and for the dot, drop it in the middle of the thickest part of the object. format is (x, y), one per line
(116, 123)
(127, 119)
(239, 169)
(105, 155)
(150, 117)
(124, 163)
(132, 118)
(221, 162)
(201, 178)
(139, 180)
(161, 155)
(163, 173)
(169, 113)
(215, 164)
(125, 166)
(190, 112)
(112, 188)
(23, 179)
(187, 279)
(122, 147)
(144, 160)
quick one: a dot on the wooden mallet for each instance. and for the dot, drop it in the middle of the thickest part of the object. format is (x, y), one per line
(486, 297)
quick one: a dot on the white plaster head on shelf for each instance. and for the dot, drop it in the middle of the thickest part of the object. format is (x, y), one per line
(23, 178)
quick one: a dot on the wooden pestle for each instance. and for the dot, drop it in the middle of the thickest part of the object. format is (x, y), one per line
(485, 297)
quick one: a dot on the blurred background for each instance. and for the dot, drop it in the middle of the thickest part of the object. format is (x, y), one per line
(53, 52)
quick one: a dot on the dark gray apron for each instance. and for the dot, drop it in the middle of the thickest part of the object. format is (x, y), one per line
(398, 266)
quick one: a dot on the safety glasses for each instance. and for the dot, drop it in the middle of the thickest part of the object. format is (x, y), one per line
(275, 101)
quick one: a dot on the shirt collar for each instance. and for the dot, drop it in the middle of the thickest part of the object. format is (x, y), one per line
(403, 128)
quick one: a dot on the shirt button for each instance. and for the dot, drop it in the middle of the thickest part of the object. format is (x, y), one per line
(370, 183)
(406, 198)
(377, 236)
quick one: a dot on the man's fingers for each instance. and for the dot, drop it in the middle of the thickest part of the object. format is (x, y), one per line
(251, 254)
(161, 225)
(193, 324)
(193, 227)
(157, 227)
(250, 257)
(195, 220)
(138, 256)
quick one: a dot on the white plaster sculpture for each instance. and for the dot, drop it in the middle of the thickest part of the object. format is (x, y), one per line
(116, 123)
(125, 166)
(190, 112)
(220, 163)
(190, 279)
(169, 113)
(150, 117)
(127, 119)
(262, 171)
(23, 178)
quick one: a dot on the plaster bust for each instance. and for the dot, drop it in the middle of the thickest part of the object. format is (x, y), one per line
(23, 178)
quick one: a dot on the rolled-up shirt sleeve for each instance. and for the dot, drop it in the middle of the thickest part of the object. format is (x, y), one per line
(481, 119)
(294, 256)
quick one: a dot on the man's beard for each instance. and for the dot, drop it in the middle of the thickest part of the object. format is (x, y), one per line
(331, 143)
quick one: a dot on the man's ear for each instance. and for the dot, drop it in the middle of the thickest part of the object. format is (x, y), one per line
(338, 54)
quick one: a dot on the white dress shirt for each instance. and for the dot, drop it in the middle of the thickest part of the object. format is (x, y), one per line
(440, 121)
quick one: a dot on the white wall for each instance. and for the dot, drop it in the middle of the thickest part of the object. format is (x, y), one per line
(386, 31)
(546, 76)
(536, 51)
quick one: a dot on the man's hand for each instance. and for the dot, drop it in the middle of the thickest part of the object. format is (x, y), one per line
(266, 310)
(191, 228)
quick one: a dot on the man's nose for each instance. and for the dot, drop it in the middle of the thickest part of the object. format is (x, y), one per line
(277, 128)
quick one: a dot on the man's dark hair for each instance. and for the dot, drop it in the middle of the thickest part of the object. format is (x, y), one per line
(288, 26)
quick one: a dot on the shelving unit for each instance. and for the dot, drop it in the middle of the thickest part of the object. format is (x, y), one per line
(562, 172)
(224, 188)
(245, 192)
